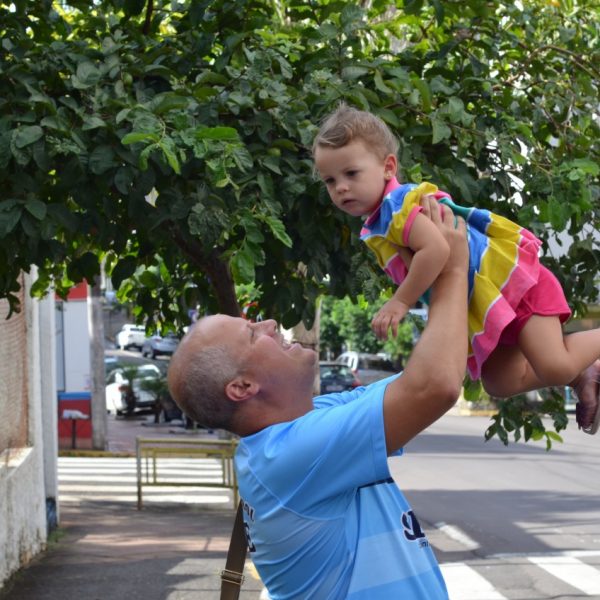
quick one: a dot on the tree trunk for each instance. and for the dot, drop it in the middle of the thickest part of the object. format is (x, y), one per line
(309, 338)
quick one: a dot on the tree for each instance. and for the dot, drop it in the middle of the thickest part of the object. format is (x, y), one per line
(170, 140)
(348, 323)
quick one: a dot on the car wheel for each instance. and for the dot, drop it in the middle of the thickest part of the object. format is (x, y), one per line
(154, 354)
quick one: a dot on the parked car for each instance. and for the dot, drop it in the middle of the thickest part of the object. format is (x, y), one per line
(156, 344)
(367, 367)
(124, 388)
(131, 336)
(336, 377)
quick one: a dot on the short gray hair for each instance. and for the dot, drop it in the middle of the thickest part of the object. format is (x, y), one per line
(199, 390)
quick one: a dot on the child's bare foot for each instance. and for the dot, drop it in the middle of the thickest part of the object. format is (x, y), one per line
(587, 388)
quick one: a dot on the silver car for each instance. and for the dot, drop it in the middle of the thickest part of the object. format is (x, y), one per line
(156, 345)
(367, 367)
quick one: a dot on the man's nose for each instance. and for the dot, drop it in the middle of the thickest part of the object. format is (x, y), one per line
(267, 327)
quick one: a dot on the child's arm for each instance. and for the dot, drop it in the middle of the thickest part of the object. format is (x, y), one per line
(431, 252)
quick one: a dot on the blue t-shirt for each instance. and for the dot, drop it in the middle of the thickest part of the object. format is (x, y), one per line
(323, 517)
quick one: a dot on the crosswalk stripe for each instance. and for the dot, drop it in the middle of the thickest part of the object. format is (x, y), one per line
(458, 535)
(570, 570)
(465, 583)
(115, 479)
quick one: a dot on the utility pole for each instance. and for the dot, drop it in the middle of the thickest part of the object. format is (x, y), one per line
(97, 380)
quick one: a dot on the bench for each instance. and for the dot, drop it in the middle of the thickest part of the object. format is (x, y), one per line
(150, 451)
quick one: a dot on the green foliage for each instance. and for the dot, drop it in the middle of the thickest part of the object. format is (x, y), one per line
(523, 419)
(212, 106)
(171, 140)
(348, 323)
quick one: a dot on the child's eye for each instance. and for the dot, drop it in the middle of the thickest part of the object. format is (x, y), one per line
(352, 173)
(328, 181)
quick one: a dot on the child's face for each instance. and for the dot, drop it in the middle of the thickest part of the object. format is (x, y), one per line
(355, 177)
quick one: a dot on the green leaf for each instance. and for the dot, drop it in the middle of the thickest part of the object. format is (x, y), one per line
(242, 267)
(278, 230)
(37, 208)
(441, 131)
(243, 158)
(168, 148)
(92, 123)
(354, 72)
(167, 102)
(272, 163)
(139, 136)
(124, 269)
(149, 279)
(124, 179)
(25, 136)
(87, 73)
(423, 87)
(101, 159)
(380, 85)
(217, 133)
(472, 390)
(8, 220)
(554, 436)
(85, 266)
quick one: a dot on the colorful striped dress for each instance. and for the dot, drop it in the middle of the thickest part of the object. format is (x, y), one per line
(503, 262)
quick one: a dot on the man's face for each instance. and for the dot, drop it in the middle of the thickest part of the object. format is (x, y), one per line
(260, 350)
(355, 177)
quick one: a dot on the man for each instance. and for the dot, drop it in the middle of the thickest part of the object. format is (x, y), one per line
(323, 517)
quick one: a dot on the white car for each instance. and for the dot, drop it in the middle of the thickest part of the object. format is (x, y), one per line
(131, 336)
(117, 385)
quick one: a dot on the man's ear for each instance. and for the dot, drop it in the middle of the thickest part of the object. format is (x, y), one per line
(240, 389)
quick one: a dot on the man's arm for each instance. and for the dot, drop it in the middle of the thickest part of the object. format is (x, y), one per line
(432, 378)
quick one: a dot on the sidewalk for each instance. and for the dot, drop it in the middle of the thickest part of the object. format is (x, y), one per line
(108, 550)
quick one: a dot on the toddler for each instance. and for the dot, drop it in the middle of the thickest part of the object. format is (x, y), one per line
(516, 306)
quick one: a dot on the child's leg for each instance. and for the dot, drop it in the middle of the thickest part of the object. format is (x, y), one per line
(555, 358)
(507, 372)
(543, 358)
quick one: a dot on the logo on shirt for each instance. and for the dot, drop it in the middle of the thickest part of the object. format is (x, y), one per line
(249, 511)
(412, 528)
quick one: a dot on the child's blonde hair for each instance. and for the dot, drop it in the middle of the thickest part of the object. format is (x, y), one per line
(346, 124)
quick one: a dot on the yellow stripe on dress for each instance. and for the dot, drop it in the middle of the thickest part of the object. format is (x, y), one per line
(497, 264)
(411, 200)
(383, 249)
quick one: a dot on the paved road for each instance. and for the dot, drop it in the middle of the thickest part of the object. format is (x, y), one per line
(512, 522)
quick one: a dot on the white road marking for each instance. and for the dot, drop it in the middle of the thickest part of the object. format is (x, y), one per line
(465, 583)
(458, 535)
(572, 571)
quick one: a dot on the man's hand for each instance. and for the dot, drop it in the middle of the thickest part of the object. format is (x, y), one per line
(389, 315)
(453, 229)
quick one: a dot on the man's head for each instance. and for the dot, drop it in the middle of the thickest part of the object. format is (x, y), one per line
(232, 374)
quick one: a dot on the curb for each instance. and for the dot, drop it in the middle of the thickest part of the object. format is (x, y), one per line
(95, 454)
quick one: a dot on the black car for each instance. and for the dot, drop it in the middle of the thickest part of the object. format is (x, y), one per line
(336, 377)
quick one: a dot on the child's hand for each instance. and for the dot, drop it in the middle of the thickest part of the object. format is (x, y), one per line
(389, 315)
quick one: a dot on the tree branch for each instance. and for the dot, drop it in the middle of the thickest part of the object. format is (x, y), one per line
(148, 19)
